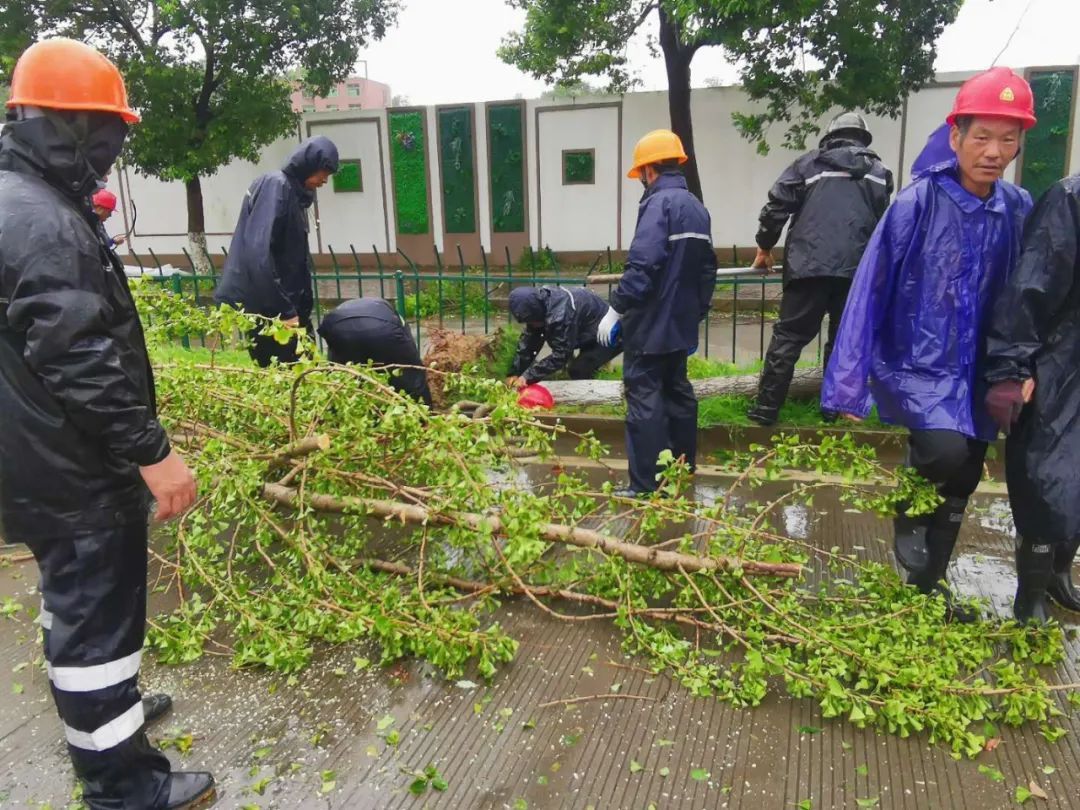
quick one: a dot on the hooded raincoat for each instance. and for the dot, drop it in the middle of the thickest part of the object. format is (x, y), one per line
(912, 336)
(267, 271)
(1035, 332)
(834, 197)
(570, 317)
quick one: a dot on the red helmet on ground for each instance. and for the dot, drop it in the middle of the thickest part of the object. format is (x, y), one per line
(536, 396)
(105, 199)
(995, 93)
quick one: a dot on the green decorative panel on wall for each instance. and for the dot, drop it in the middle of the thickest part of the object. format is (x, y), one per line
(348, 177)
(579, 167)
(506, 147)
(458, 171)
(408, 157)
(1046, 146)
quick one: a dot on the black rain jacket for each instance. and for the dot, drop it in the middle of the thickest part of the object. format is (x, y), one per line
(834, 198)
(570, 317)
(1035, 332)
(368, 330)
(267, 271)
(76, 389)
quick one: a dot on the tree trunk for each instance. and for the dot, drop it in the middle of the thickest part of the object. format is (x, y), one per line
(677, 58)
(200, 256)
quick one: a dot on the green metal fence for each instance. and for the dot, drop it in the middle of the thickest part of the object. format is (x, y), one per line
(472, 299)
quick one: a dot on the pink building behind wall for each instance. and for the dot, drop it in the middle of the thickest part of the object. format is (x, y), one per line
(355, 93)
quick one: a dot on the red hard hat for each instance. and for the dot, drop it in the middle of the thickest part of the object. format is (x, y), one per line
(536, 396)
(996, 93)
(105, 199)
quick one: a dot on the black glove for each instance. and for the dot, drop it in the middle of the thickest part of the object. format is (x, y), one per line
(1004, 401)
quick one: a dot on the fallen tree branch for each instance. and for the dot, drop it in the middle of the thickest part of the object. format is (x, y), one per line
(552, 532)
(612, 696)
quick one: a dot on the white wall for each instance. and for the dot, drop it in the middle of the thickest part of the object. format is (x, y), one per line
(735, 179)
(579, 217)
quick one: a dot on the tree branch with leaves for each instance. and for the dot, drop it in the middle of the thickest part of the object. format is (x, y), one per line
(796, 61)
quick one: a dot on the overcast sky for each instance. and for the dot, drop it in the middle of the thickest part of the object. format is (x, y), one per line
(440, 54)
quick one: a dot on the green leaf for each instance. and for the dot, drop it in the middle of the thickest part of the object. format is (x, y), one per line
(805, 804)
(1022, 794)
(385, 722)
(520, 804)
(664, 771)
(16, 688)
(993, 773)
(862, 770)
(867, 802)
(664, 743)
(529, 725)
(393, 738)
(418, 786)
(699, 774)
(1048, 769)
(809, 730)
(635, 766)
(439, 784)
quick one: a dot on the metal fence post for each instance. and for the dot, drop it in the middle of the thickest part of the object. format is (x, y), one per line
(439, 281)
(399, 288)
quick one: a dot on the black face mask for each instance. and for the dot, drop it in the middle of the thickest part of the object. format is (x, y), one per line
(75, 150)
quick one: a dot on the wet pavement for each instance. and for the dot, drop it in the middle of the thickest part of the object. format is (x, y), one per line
(325, 738)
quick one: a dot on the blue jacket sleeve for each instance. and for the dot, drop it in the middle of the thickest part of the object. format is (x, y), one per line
(647, 257)
(846, 387)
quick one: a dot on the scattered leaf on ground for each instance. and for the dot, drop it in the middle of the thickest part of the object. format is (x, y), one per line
(868, 802)
(635, 766)
(699, 774)
(664, 771)
(466, 685)
(1036, 790)
(385, 722)
(992, 743)
(806, 804)
(809, 730)
(862, 770)
(1048, 769)
(992, 772)
(1022, 794)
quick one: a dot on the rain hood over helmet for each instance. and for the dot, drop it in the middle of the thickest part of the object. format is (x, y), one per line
(848, 126)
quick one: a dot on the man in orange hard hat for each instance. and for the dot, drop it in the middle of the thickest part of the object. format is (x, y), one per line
(664, 294)
(104, 202)
(913, 334)
(82, 451)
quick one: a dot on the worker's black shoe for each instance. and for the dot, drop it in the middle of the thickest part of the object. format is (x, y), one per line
(829, 417)
(956, 611)
(1034, 570)
(155, 707)
(762, 417)
(190, 789)
(628, 492)
(909, 540)
(941, 532)
(1061, 588)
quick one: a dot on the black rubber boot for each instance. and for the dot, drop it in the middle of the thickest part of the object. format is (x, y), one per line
(1061, 588)
(909, 540)
(1034, 570)
(155, 707)
(942, 532)
(765, 417)
(190, 789)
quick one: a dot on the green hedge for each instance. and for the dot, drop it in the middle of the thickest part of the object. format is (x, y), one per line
(507, 160)
(408, 156)
(458, 172)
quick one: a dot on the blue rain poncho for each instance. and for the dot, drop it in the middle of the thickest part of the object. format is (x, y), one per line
(912, 337)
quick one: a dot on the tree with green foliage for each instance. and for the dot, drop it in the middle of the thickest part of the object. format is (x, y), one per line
(209, 78)
(797, 61)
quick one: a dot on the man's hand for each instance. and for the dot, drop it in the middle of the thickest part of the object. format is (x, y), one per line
(763, 260)
(1028, 389)
(516, 383)
(606, 332)
(119, 240)
(172, 485)
(852, 417)
(293, 322)
(1006, 399)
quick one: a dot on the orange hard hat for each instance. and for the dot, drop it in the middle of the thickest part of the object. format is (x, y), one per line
(995, 93)
(536, 396)
(658, 145)
(63, 74)
(105, 199)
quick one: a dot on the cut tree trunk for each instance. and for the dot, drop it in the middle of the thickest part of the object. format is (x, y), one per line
(200, 256)
(806, 384)
(552, 532)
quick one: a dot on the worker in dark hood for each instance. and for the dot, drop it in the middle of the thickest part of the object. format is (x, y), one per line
(566, 319)
(82, 450)
(367, 330)
(1033, 352)
(665, 293)
(834, 197)
(268, 269)
(912, 339)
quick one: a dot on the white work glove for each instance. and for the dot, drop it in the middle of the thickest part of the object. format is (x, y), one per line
(607, 332)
